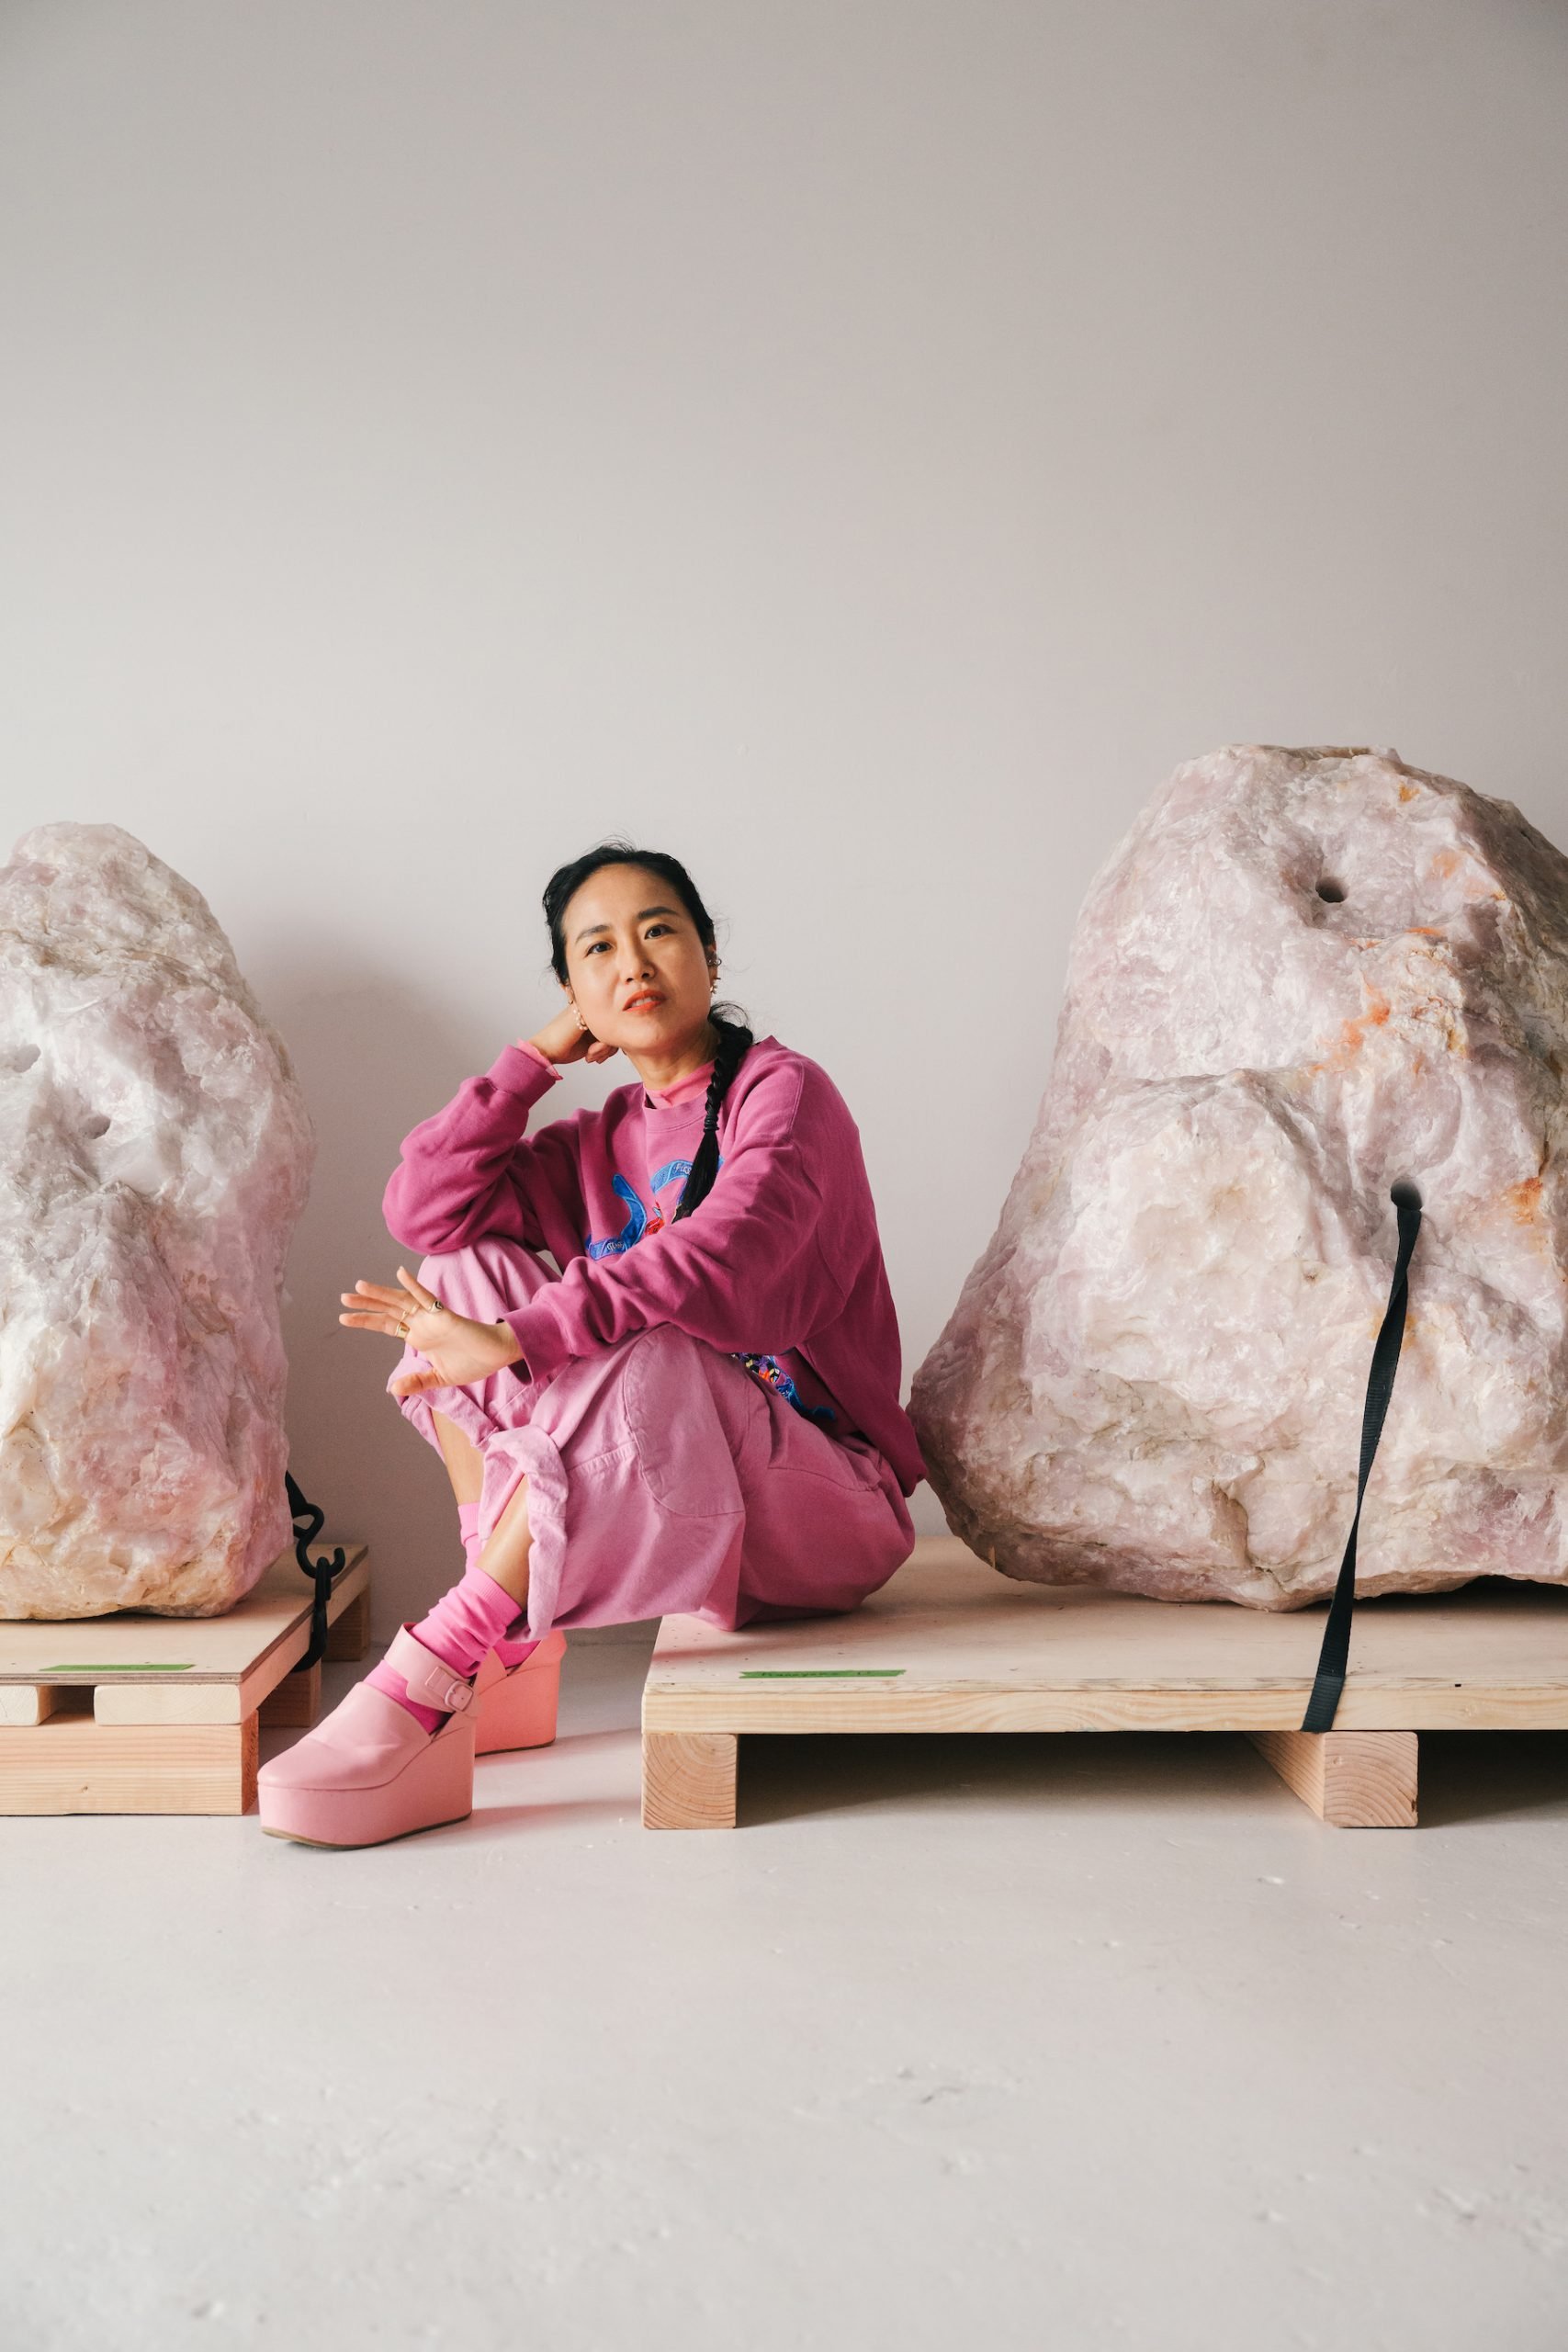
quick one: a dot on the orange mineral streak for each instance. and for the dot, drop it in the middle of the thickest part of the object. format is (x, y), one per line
(1353, 1035)
(1524, 1200)
(1409, 791)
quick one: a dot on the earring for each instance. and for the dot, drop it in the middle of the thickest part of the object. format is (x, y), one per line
(580, 1022)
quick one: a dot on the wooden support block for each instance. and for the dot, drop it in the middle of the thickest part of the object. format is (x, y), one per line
(348, 1637)
(29, 1702)
(1355, 1780)
(297, 1702)
(134, 1713)
(688, 1780)
(71, 1764)
(153, 1702)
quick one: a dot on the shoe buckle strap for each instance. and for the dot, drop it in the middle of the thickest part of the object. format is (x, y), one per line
(430, 1680)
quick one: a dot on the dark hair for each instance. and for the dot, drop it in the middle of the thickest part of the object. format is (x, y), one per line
(734, 1036)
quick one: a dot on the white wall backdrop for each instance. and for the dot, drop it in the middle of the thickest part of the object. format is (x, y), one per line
(860, 445)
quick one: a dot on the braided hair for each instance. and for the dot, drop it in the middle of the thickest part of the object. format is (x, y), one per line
(733, 1039)
(734, 1036)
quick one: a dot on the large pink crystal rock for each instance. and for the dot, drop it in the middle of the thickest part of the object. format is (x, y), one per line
(1303, 977)
(155, 1154)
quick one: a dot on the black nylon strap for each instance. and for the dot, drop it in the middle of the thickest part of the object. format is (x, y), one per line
(1333, 1657)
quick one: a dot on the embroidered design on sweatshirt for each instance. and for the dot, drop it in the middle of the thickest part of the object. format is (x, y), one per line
(642, 1220)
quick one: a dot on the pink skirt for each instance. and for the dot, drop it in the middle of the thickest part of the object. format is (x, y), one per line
(661, 1476)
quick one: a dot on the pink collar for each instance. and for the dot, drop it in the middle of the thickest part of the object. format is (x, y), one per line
(671, 1098)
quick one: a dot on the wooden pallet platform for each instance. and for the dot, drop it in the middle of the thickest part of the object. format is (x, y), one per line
(140, 1713)
(950, 1646)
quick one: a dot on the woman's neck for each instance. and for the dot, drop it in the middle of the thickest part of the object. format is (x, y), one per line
(660, 1071)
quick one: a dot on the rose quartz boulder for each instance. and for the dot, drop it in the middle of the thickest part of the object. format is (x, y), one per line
(1304, 976)
(154, 1157)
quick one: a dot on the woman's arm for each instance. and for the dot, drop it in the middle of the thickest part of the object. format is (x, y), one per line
(470, 1168)
(745, 1270)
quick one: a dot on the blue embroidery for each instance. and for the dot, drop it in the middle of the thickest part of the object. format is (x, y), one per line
(641, 1221)
(630, 1233)
(668, 1173)
(772, 1374)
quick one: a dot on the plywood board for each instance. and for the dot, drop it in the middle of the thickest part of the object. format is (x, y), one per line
(950, 1645)
(146, 1670)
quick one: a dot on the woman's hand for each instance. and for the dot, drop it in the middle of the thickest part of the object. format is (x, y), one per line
(457, 1350)
(562, 1041)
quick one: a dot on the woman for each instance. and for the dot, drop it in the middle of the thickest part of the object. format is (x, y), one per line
(698, 1411)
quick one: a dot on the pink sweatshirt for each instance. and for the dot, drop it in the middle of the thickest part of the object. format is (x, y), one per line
(780, 1266)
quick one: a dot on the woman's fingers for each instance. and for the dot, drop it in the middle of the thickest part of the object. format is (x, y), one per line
(375, 1308)
(382, 1300)
(378, 1308)
(375, 1295)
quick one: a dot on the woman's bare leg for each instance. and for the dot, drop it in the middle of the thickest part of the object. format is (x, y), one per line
(464, 1466)
(505, 1557)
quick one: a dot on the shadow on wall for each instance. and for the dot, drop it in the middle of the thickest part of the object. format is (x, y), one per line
(374, 1058)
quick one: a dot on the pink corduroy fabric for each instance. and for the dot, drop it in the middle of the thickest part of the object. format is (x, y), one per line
(661, 1476)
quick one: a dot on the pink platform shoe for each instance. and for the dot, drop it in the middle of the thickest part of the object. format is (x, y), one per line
(369, 1771)
(517, 1708)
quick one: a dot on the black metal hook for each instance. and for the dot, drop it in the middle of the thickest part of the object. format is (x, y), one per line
(322, 1573)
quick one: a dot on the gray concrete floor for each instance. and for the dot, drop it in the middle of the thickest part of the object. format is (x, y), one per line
(1004, 2042)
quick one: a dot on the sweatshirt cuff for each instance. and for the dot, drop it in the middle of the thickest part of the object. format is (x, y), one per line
(523, 1069)
(539, 1335)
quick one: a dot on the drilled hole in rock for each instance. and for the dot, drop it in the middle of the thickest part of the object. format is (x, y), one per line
(21, 1058)
(96, 1127)
(1333, 891)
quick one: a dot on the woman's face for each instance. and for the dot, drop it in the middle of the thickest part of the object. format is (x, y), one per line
(629, 938)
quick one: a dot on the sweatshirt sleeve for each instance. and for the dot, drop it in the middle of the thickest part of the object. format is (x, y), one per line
(746, 1270)
(470, 1168)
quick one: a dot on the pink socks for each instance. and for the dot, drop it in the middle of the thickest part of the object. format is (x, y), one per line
(511, 1653)
(465, 1622)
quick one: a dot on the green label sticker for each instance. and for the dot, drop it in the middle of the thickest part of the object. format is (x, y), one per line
(810, 1673)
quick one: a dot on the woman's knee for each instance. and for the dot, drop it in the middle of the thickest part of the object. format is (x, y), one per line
(693, 1415)
(666, 1344)
(446, 1270)
(666, 1362)
(489, 1274)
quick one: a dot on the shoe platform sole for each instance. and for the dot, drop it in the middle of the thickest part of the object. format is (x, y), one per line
(348, 1845)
